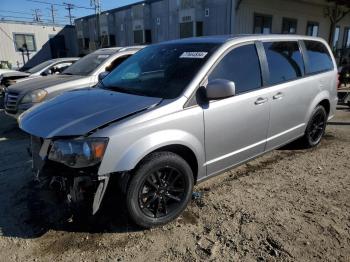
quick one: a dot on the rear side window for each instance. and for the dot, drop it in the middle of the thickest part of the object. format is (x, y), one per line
(285, 61)
(319, 58)
(241, 65)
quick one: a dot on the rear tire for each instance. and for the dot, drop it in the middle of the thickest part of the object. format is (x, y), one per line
(159, 190)
(315, 128)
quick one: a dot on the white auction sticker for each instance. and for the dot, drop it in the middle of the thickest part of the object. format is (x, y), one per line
(198, 55)
(102, 56)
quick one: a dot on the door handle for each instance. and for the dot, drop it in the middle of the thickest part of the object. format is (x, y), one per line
(261, 100)
(279, 95)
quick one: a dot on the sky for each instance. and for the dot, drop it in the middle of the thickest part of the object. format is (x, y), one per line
(24, 10)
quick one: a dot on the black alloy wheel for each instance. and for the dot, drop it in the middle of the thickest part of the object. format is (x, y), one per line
(162, 192)
(316, 127)
(159, 190)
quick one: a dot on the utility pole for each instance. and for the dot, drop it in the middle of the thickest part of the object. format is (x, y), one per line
(53, 13)
(69, 7)
(37, 15)
(97, 6)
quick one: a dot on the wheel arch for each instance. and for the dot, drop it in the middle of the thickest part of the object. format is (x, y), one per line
(183, 151)
(326, 104)
(185, 144)
(323, 98)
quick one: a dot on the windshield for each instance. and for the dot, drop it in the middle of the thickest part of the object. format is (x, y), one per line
(86, 65)
(163, 70)
(39, 67)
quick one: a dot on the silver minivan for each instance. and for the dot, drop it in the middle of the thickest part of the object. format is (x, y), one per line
(179, 112)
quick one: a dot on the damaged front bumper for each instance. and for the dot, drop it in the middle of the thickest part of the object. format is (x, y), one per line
(81, 188)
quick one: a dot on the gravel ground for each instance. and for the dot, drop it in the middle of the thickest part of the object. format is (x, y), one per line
(289, 205)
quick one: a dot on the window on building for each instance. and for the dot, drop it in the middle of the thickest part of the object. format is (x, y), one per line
(284, 60)
(289, 26)
(336, 37)
(262, 24)
(25, 42)
(158, 20)
(319, 58)
(246, 76)
(312, 28)
(206, 12)
(346, 41)
(187, 18)
(186, 29)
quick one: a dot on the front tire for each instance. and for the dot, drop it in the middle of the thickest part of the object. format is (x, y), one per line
(159, 190)
(316, 127)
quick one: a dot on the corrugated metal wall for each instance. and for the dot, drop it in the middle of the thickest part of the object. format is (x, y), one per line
(163, 17)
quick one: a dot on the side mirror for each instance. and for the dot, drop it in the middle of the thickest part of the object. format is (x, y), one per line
(220, 88)
(102, 75)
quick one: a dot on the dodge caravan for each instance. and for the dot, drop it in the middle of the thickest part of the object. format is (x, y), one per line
(179, 112)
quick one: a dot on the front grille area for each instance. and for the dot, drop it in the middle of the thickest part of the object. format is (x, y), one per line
(11, 99)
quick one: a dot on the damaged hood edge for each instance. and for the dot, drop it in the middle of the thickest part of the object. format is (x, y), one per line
(81, 112)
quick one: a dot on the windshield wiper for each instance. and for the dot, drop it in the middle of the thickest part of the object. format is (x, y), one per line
(68, 74)
(119, 89)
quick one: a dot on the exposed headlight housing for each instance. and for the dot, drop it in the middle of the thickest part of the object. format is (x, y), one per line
(35, 96)
(78, 153)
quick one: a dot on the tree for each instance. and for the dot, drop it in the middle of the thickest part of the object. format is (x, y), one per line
(336, 11)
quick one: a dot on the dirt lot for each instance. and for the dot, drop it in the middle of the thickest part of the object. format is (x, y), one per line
(290, 205)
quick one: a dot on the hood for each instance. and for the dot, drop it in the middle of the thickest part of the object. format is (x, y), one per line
(19, 80)
(14, 74)
(77, 112)
(3, 71)
(41, 83)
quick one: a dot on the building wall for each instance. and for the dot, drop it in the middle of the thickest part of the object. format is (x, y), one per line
(163, 18)
(161, 22)
(279, 9)
(217, 20)
(42, 34)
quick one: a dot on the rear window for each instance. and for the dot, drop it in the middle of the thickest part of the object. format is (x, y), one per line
(319, 58)
(285, 61)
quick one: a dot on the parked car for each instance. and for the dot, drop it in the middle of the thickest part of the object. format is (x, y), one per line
(50, 67)
(2, 86)
(84, 73)
(2, 71)
(179, 112)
